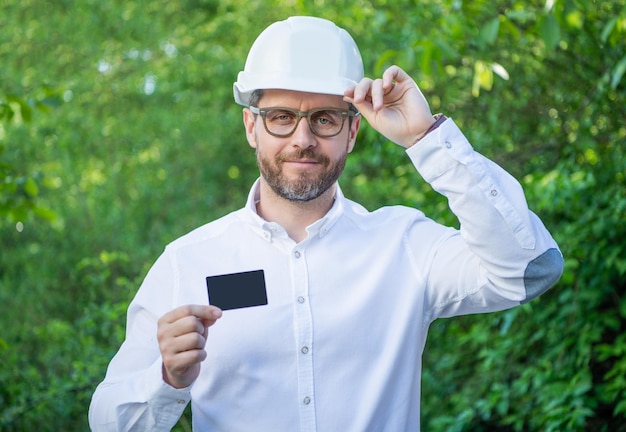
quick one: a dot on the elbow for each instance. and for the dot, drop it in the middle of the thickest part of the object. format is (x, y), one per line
(542, 273)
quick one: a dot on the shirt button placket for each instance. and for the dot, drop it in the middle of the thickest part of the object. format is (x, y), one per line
(304, 332)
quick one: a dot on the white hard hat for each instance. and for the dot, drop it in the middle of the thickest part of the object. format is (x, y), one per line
(301, 53)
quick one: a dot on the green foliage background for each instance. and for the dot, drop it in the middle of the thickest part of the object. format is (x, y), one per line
(118, 133)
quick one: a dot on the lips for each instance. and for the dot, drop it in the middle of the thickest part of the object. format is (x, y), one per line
(302, 161)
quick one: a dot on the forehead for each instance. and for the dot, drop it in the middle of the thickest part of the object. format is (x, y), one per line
(300, 100)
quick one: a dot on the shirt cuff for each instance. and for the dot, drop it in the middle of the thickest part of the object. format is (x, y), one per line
(166, 402)
(440, 150)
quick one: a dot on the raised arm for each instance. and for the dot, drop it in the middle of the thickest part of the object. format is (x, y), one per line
(502, 255)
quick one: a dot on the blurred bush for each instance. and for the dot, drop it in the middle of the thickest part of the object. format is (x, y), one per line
(118, 134)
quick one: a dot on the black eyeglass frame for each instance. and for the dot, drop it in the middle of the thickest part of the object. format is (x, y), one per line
(304, 114)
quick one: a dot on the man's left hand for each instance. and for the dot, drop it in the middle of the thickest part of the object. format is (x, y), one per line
(393, 105)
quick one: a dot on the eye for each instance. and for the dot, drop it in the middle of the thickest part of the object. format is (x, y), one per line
(326, 118)
(280, 116)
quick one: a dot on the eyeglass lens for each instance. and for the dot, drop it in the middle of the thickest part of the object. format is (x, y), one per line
(323, 122)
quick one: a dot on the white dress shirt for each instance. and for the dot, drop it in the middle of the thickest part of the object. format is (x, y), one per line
(339, 345)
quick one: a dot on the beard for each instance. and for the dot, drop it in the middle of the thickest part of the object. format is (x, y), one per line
(307, 186)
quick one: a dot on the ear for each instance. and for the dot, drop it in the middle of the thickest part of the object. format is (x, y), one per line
(249, 121)
(354, 130)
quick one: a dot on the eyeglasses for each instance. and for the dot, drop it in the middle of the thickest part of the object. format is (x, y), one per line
(323, 122)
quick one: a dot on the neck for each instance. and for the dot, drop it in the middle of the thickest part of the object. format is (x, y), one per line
(293, 216)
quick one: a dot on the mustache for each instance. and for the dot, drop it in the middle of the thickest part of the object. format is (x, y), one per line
(307, 153)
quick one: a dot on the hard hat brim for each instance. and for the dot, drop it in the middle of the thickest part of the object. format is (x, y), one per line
(242, 93)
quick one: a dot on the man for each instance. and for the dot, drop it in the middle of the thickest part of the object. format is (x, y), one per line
(350, 293)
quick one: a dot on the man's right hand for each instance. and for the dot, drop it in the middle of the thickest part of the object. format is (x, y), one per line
(182, 335)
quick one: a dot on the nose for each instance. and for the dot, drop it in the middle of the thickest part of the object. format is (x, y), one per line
(302, 136)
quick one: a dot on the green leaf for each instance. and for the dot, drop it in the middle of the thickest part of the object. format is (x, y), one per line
(550, 31)
(26, 112)
(447, 50)
(483, 77)
(426, 58)
(575, 19)
(608, 29)
(31, 188)
(620, 408)
(6, 112)
(618, 72)
(45, 214)
(489, 32)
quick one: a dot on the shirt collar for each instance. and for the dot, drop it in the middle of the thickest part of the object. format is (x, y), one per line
(319, 227)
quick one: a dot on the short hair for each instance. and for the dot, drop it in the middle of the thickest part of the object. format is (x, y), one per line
(255, 97)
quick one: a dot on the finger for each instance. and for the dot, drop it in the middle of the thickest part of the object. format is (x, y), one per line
(378, 94)
(188, 342)
(369, 95)
(182, 343)
(361, 92)
(394, 74)
(167, 330)
(179, 363)
(349, 93)
(203, 312)
(388, 87)
(174, 345)
(205, 333)
(359, 96)
(188, 324)
(188, 358)
(169, 335)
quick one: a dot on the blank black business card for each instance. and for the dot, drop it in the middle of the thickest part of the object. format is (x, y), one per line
(237, 290)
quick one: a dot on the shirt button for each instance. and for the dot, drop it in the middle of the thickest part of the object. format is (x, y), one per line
(181, 401)
(297, 254)
(494, 192)
(306, 400)
(300, 299)
(448, 144)
(304, 350)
